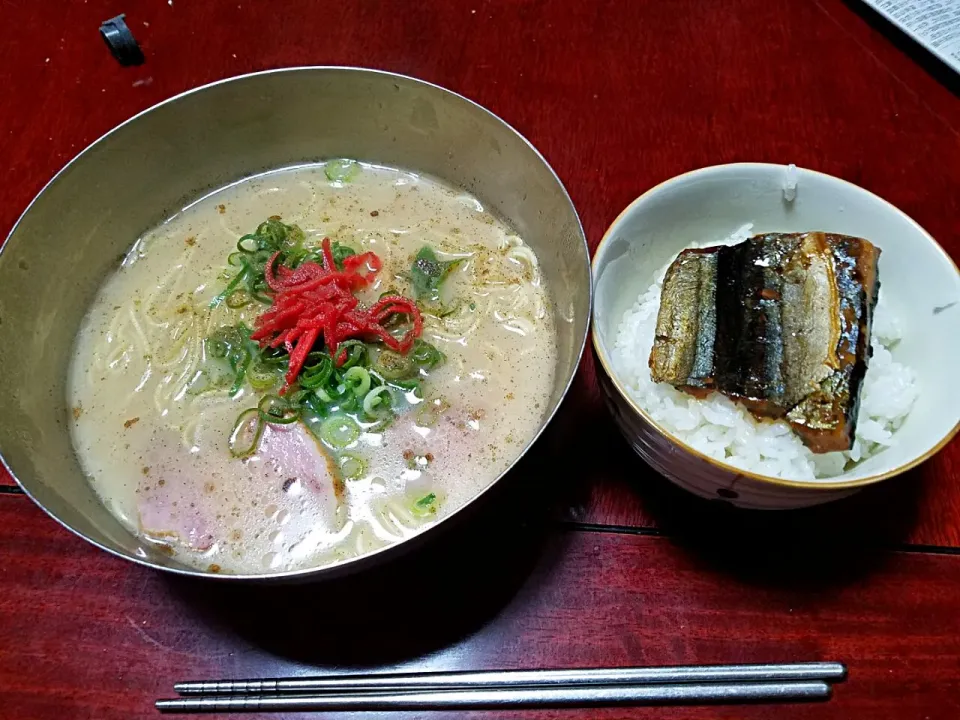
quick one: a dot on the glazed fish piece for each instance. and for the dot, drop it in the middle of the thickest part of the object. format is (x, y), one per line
(780, 323)
(683, 351)
(825, 419)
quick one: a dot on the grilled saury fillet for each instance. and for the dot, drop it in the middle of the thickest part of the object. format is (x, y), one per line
(780, 322)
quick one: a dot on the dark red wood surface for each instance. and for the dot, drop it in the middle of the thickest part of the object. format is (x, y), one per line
(614, 565)
(112, 639)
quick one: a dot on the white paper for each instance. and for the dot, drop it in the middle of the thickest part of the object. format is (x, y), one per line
(935, 24)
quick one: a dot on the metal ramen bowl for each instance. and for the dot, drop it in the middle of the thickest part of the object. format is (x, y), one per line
(69, 238)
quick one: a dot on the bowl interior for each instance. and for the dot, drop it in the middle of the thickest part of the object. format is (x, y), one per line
(147, 169)
(920, 284)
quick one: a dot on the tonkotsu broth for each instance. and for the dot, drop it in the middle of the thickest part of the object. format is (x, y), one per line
(155, 442)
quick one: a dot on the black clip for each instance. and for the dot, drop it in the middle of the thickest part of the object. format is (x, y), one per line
(123, 46)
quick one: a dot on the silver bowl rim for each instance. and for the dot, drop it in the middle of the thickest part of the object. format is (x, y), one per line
(355, 564)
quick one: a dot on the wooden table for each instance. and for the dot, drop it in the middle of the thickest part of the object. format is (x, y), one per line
(586, 557)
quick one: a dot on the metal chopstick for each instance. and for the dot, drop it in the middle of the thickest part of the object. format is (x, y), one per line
(389, 682)
(509, 698)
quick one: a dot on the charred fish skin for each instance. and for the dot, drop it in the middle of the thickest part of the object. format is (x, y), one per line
(780, 323)
(750, 345)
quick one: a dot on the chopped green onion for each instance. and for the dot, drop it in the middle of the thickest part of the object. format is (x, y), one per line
(317, 371)
(274, 357)
(357, 379)
(429, 413)
(426, 355)
(231, 286)
(233, 344)
(339, 431)
(356, 353)
(428, 273)
(414, 395)
(341, 170)
(262, 377)
(261, 296)
(352, 467)
(274, 409)
(238, 299)
(405, 385)
(216, 347)
(254, 251)
(340, 253)
(427, 505)
(347, 401)
(394, 366)
(376, 401)
(246, 433)
(241, 374)
(297, 399)
(272, 234)
(248, 244)
(381, 425)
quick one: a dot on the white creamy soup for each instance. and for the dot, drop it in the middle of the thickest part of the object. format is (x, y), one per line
(414, 353)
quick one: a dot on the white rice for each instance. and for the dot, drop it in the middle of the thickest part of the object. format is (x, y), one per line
(726, 431)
